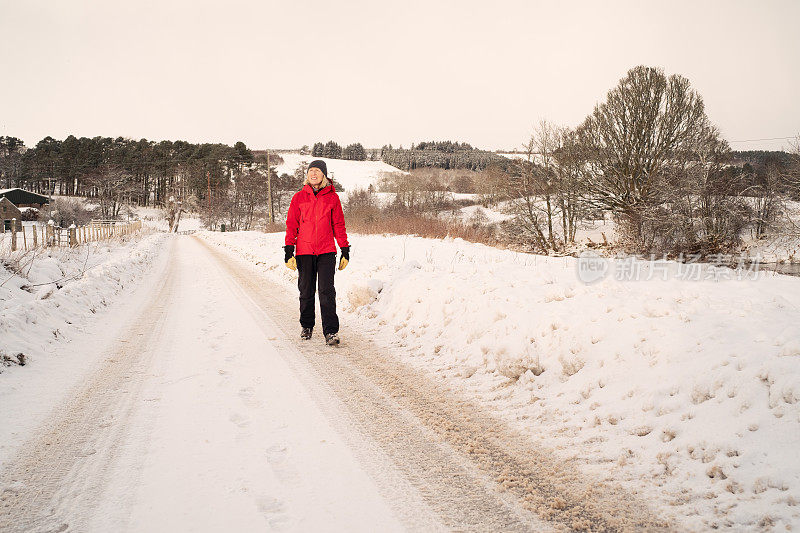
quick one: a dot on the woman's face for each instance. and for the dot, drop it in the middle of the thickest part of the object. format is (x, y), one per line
(315, 176)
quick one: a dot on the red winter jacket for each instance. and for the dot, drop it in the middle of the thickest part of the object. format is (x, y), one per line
(314, 220)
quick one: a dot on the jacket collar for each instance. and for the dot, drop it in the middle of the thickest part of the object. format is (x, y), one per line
(325, 190)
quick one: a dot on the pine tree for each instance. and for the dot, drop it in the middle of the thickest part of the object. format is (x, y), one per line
(332, 150)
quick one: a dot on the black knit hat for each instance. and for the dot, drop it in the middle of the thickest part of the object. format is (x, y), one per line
(320, 164)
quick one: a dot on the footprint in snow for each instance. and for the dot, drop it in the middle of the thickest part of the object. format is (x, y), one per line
(239, 420)
(276, 453)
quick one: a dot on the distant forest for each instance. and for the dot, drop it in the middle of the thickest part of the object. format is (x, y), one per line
(441, 154)
(763, 159)
(145, 172)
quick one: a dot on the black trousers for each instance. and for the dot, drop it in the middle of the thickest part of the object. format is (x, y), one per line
(317, 270)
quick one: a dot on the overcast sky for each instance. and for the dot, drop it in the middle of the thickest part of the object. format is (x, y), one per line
(288, 73)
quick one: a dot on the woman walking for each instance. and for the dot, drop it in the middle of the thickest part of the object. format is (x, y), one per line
(315, 217)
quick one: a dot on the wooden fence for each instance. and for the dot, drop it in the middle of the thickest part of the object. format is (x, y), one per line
(23, 238)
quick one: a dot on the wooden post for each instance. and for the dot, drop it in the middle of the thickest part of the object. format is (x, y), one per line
(35, 243)
(13, 234)
(24, 238)
(51, 238)
(73, 236)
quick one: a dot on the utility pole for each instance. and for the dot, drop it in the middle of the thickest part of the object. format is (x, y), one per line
(208, 178)
(269, 192)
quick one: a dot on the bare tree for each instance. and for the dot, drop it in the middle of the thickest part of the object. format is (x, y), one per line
(544, 143)
(645, 123)
(570, 168)
(792, 185)
(408, 189)
(767, 199)
(721, 212)
(524, 191)
(545, 196)
(491, 185)
(113, 188)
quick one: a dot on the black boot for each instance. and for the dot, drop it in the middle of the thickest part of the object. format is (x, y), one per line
(332, 339)
(306, 333)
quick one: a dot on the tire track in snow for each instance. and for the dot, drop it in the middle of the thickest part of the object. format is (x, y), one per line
(471, 470)
(55, 480)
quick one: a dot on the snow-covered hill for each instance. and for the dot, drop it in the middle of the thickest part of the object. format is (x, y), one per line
(683, 382)
(351, 175)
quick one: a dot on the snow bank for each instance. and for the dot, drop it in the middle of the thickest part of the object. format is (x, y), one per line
(47, 294)
(685, 388)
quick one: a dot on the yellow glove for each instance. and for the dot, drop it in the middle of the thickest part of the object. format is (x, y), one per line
(342, 263)
(292, 263)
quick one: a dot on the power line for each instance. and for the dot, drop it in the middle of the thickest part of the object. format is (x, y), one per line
(768, 139)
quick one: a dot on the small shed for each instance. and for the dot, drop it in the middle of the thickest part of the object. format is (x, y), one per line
(23, 198)
(7, 212)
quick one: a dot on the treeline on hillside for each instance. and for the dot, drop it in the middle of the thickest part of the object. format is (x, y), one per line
(333, 150)
(440, 154)
(228, 183)
(761, 160)
(443, 146)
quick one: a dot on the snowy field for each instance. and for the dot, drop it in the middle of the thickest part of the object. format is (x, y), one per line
(682, 382)
(351, 175)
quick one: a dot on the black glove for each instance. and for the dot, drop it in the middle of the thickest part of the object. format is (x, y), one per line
(289, 252)
(345, 257)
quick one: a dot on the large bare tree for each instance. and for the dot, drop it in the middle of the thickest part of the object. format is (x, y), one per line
(646, 123)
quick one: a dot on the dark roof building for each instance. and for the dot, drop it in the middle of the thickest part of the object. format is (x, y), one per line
(9, 210)
(23, 198)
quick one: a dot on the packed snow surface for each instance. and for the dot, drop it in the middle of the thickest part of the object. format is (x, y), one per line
(682, 381)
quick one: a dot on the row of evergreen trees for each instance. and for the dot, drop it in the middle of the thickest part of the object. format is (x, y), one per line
(443, 146)
(468, 159)
(332, 150)
(145, 172)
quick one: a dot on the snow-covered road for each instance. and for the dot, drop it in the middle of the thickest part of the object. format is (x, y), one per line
(209, 413)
